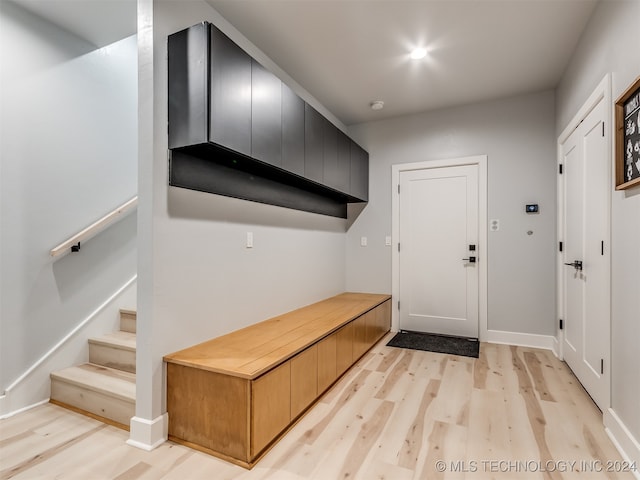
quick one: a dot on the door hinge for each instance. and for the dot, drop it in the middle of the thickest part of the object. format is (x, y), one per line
(398, 189)
(560, 169)
(602, 366)
(398, 304)
(398, 246)
(602, 247)
(603, 129)
(561, 325)
(560, 245)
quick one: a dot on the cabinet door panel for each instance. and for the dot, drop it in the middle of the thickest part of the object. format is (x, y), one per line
(343, 174)
(330, 155)
(188, 88)
(313, 144)
(371, 335)
(230, 96)
(344, 348)
(359, 178)
(292, 131)
(270, 406)
(359, 337)
(327, 362)
(304, 380)
(266, 115)
(383, 314)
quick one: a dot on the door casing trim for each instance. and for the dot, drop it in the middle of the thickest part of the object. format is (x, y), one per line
(481, 162)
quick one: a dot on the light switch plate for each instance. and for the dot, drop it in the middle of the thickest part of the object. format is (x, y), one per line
(387, 241)
(249, 239)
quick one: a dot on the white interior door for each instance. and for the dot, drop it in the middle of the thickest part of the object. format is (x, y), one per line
(586, 280)
(438, 250)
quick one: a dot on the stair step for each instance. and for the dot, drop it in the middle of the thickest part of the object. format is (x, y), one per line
(128, 320)
(98, 390)
(114, 350)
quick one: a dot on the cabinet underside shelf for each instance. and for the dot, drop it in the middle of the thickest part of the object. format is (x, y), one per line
(237, 177)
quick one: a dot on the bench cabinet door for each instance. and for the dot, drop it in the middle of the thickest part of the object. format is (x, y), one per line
(344, 348)
(327, 357)
(270, 406)
(304, 380)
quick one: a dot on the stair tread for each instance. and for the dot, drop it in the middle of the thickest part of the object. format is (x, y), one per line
(128, 311)
(108, 381)
(123, 340)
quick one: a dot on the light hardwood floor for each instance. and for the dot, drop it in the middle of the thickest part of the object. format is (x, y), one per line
(398, 414)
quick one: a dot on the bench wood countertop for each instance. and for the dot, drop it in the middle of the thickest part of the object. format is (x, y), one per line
(256, 349)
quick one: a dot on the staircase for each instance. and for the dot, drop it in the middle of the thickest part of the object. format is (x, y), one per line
(104, 388)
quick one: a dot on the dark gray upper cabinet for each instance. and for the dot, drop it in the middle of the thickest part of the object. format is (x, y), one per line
(266, 115)
(292, 131)
(343, 177)
(188, 86)
(337, 167)
(230, 96)
(330, 154)
(235, 129)
(359, 179)
(314, 125)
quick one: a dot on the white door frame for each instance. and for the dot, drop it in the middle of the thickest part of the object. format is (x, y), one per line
(601, 92)
(481, 162)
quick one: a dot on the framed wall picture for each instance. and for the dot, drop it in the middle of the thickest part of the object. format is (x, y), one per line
(628, 137)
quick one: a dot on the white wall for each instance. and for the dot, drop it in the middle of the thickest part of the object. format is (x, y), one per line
(517, 134)
(68, 156)
(611, 44)
(198, 280)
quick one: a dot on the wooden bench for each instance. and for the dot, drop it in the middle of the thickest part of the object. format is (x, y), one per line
(235, 395)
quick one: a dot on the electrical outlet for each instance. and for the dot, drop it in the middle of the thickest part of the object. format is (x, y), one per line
(363, 241)
(249, 239)
(494, 225)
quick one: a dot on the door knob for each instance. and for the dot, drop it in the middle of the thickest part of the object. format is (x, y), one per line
(577, 264)
(470, 259)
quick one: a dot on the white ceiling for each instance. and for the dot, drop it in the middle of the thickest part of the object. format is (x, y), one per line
(348, 53)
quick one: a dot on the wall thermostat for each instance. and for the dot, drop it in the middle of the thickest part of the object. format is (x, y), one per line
(532, 208)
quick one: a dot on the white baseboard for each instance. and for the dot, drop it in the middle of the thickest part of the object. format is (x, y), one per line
(546, 342)
(20, 410)
(33, 387)
(624, 441)
(149, 434)
(556, 348)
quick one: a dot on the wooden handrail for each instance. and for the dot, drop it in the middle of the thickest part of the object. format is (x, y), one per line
(73, 243)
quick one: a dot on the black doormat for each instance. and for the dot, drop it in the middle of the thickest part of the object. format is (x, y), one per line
(467, 347)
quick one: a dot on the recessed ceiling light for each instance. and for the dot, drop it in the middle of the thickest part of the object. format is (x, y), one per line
(377, 105)
(418, 53)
